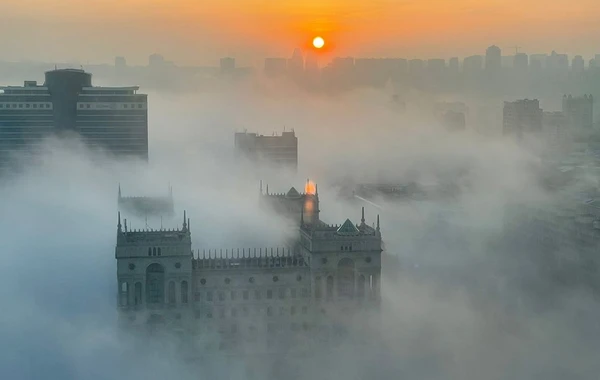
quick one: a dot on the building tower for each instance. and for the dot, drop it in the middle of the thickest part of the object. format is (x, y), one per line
(493, 59)
(154, 270)
(345, 261)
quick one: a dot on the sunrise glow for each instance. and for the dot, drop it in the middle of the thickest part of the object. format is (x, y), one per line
(318, 42)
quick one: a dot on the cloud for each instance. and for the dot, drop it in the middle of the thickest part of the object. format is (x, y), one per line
(451, 305)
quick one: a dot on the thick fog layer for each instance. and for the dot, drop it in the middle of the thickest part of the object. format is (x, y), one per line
(456, 300)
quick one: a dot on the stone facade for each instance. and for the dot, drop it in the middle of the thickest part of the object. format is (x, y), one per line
(252, 297)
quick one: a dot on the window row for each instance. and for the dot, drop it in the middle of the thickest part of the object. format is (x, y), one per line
(347, 286)
(251, 280)
(111, 106)
(245, 312)
(26, 105)
(247, 295)
(153, 251)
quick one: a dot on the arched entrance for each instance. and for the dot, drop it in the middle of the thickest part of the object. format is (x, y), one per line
(155, 284)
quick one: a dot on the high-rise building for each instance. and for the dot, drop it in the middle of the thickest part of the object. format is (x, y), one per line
(295, 65)
(578, 65)
(493, 59)
(521, 62)
(522, 117)
(120, 63)
(453, 65)
(227, 65)
(472, 64)
(110, 118)
(557, 62)
(279, 150)
(579, 111)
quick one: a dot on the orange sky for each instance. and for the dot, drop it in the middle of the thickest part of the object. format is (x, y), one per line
(198, 32)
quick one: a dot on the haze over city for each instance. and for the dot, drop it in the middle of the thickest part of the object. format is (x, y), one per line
(195, 33)
(335, 190)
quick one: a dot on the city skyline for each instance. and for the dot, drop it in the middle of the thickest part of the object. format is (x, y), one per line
(255, 28)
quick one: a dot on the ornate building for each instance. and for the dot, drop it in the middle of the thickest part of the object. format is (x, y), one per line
(252, 298)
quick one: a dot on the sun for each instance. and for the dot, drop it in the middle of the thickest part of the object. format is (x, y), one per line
(318, 42)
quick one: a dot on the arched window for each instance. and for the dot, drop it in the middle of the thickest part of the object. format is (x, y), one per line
(172, 292)
(138, 294)
(346, 278)
(155, 284)
(318, 287)
(360, 287)
(149, 251)
(154, 251)
(124, 294)
(159, 252)
(184, 292)
(329, 288)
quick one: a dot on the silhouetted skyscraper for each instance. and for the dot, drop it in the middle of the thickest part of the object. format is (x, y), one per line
(493, 59)
(295, 65)
(472, 64)
(578, 65)
(521, 63)
(227, 65)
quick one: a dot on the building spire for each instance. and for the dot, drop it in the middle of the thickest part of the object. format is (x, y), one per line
(316, 190)
(125, 225)
(377, 222)
(267, 189)
(184, 221)
(119, 223)
(362, 219)
(119, 190)
(261, 189)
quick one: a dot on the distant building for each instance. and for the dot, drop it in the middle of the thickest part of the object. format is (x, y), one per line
(472, 64)
(416, 67)
(493, 59)
(555, 126)
(522, 117)
(156, 61)
(579, 111)
(578, 65)
(275, 67)
(295, 65)
(453, 65)
(120, 63)
(452, 115)
(280, 150)
(521, 62)
(227, 65)
(557, 62)
(143, 207)
(111, 118)
(537, 62)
